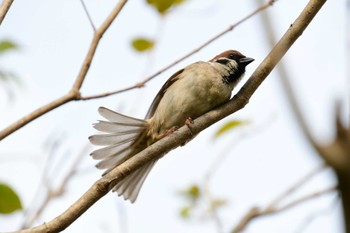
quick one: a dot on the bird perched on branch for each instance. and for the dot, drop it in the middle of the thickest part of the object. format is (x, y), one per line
(187, 94)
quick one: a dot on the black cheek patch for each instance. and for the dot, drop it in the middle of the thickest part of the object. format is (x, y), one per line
(235, 76)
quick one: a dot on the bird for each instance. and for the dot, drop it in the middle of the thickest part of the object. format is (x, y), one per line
(186, 95)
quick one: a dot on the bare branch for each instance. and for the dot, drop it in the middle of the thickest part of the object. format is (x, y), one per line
(4, 8)
(313, 216)
(58, 191)
(88, 15)
(184, 134)
(273, 206)
(297, 185)
(74, 93)
(257, 212)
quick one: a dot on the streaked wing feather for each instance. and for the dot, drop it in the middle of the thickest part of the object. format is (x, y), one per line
(161, 92)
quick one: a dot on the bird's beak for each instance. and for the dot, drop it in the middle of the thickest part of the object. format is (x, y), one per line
(246, 60)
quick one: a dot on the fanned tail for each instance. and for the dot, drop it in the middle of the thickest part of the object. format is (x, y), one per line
(120, 133)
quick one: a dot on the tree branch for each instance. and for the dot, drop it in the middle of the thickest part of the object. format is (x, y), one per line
(74, 93)
(52, 193)
(88, 15)
(4, 8)
(257, 212)
(184, 134)
(273, 206)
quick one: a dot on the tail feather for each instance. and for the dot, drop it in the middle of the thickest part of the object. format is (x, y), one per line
(111, 127)
(120, 133)
(130, 186)
(112, 150)
(115, 138)
(113, 161)
(119, 118)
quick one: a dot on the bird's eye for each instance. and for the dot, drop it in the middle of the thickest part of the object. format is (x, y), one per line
(234, 57)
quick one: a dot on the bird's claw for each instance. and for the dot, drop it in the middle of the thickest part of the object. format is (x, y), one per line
(166, 133)
(189, 121)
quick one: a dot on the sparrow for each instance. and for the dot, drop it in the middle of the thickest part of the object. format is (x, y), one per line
(187, 94)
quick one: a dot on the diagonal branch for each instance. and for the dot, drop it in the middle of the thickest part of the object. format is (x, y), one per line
(4, 8)
(184, 134)
(74, 92)
(257, 212)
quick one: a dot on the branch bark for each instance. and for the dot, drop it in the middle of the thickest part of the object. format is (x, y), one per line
(184, 134)
(4, 8)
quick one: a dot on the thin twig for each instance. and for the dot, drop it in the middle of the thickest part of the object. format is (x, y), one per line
(298, 184)
(143, 82)
(74, 93)
(313, 216)
(273, 206)
(257, 212)
(184, 134)
(4, 8)
(88, 15)
(53, 193)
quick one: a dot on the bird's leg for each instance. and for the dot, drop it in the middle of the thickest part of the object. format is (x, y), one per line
(189, 122)
(166, 133)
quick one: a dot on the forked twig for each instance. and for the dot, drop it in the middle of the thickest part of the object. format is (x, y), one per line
(74, 92)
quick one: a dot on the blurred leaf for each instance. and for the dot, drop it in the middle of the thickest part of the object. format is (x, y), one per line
(229, 126)
(192, 193)
(177, 2)
(185, 212)
(164, 5)
(7, 45)
(142, 44)
(9, 200)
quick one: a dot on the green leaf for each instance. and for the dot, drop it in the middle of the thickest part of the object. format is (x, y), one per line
(192, 193)
(142, 44)
(185, 212)
(7, 45)
(229, 126)
(9, 200)
(162, 6)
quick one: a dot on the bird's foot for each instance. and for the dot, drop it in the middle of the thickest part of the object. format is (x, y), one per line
(166, 133)
(189, 122)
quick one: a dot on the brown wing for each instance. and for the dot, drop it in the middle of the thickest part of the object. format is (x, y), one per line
(161, 92)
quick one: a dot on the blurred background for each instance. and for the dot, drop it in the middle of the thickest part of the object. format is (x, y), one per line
(206, 186)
